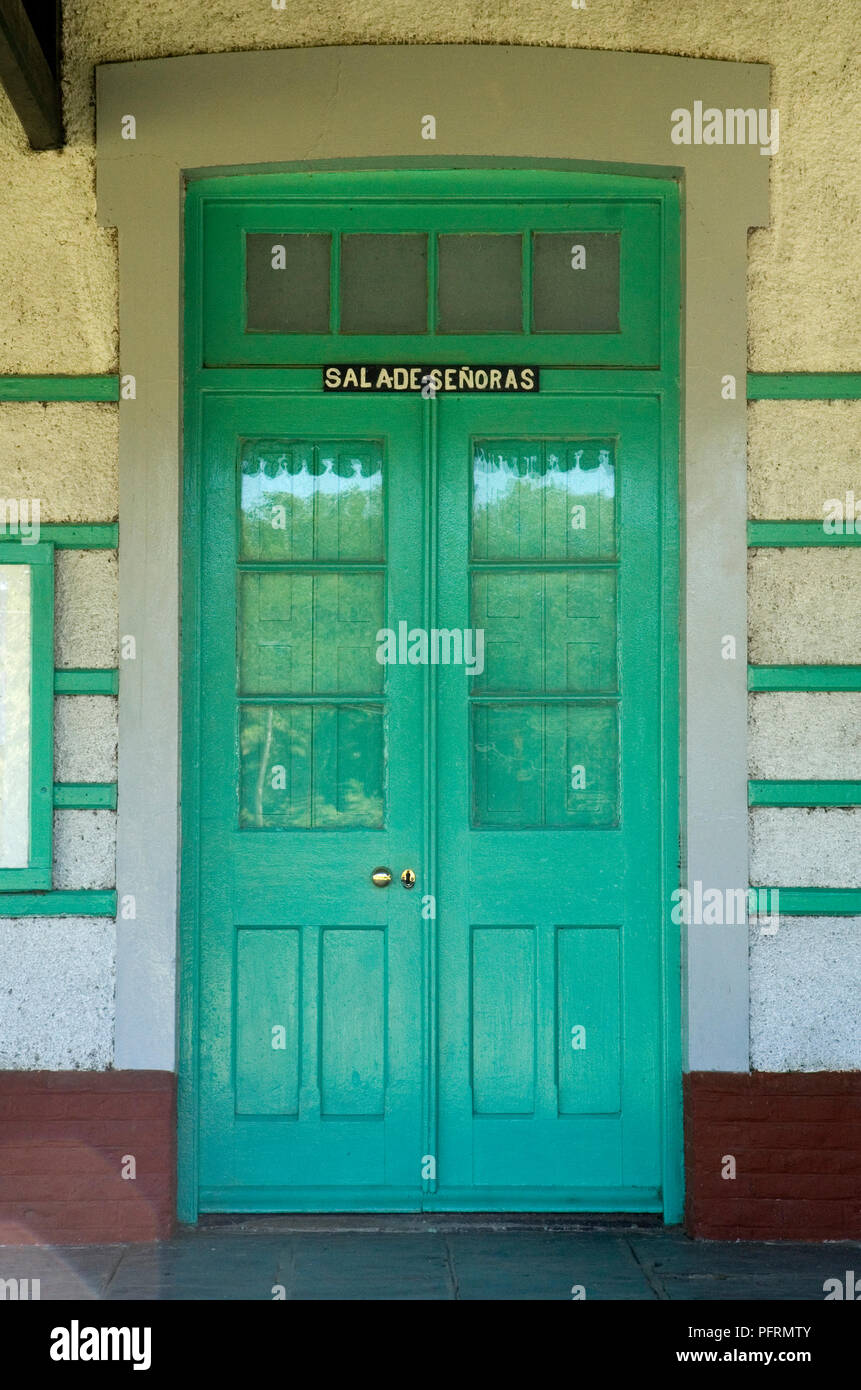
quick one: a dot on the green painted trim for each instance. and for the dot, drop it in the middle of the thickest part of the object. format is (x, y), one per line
(804, 677)
(797, 793)
(12, 879)
(391, 1199)
(80, 795)
(803, 386)
(95, 536)
(82, 682)
(59, 388)
(798, 533)
(80, 902)
(815, 902)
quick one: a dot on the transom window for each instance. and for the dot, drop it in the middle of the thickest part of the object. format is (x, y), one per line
(451, 272)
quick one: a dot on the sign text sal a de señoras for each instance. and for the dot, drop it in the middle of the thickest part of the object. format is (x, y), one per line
(427, 380)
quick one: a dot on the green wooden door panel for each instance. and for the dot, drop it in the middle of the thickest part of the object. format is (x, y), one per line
(310, 976)
(589, 1041)
(267, 1022)
(550, 840)
(547, 787)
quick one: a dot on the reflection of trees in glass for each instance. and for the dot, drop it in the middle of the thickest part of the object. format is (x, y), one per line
(15, 628)
(584, 469)
(332, 760)
(523, 758)
(523, 491)
(264, 764)
(307, 501)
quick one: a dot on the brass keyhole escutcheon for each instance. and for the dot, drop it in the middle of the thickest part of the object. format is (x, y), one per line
(408, 878)
(381, 877)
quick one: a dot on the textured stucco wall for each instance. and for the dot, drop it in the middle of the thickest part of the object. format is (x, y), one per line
(62, 453)
(85, 608)
(85, 738)
(801, 454)
(805, 735)
(804, 606)
(805, 983)
(804, 290)
(805, 847)
(56, 1004)
(58, 314)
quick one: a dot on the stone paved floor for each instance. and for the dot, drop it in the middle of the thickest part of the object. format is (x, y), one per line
(430, 1258)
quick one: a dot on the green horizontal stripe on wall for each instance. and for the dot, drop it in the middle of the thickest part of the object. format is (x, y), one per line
(80, 795)
(98, 536)
(814, 902)
(104, 681)
(81, 902)
(804, 677)
(797, 533)
(803, 386)
(797, 793)
(59, 388)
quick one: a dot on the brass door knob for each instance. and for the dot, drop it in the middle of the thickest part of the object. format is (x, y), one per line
(408, 878)
(381, 877)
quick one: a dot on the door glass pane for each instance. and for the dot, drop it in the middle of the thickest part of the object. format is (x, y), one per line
(546, 633)
(384, 283)
(544, 593)
(307, 767)
(575, 282)
(544, 499)
(545, 765)
(15, 735)
(311, 500)
(287, 282)
(479, 284)
(310, 602)
(310, 634)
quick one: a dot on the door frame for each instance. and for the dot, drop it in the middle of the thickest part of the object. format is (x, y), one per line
(362, 106)
(663, 383)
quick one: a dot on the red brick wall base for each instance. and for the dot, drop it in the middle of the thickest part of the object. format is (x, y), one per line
(66, 1136)
(796, 1141)
(64, 1140)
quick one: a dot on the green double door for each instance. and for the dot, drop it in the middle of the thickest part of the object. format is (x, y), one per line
(430, 646)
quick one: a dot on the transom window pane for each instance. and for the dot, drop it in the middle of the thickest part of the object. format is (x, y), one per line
(287, 282)
(479, 284)
(15, 735)
(384, 282)
(575, 282)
